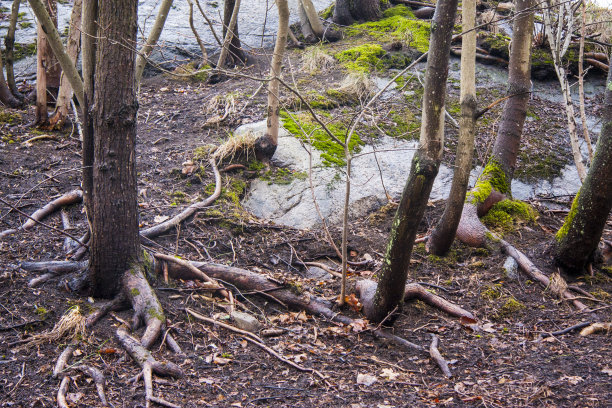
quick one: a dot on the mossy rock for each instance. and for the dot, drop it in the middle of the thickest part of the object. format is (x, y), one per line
(506, 214)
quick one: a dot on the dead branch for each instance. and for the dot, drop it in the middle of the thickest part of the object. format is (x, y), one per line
(596, 63)
(50, 269)
(566, 330)
(437, 357)
(148, 363)
(63, 360)
(61, 393)
(416, 291)
(99, 380)
(71, 197)
(165, 226)
(530, 269)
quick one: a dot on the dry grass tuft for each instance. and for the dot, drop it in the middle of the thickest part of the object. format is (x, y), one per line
(244, 142)
(557, 284)
(357, 85)
(315, 59)
(70, 327)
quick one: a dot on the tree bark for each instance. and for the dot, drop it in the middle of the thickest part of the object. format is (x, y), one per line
(73, 47)
(6, 96)
(392, 281)
(347, 11)
(115, 242)
(266, 145)
(579, 236)
(158, 26)
(443, 235)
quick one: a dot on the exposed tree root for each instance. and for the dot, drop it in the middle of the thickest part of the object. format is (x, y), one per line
(149, 365)
(437, 357)
(165, 226)
(147, 308)
(72, 197)
(50, 269)
(118, 303)
(61, 393)
(62, 361)
(566, 330)
(246, 280)
(99, 380)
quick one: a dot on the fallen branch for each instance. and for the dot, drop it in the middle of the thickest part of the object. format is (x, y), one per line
(165, 226)
(566, 330)
(148, 363)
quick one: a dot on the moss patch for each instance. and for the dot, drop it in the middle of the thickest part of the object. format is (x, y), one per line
(493, 177)
(362, 58)
(506, 214)
(510, 307)
(331, 152)
(568, 220)
(315, 100)
(9, 117)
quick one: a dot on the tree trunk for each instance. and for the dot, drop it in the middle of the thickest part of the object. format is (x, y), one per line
(6, 96)
(9, 42)
(48, 71)
(392, 281)
(347, 11)
(266, 145)
(579, 236)
(231, 42)
(443, 235)
(115, 242)
(508, 140)
(73, 45)
(158, 26)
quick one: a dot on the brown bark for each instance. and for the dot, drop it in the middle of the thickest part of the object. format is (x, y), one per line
(507, 142)
(48, 70)
(6, 96)
(578, 238)
(443, 235)
(425, 164)
(234, 48)
(347, 11)
(115, 242)
(9, 42)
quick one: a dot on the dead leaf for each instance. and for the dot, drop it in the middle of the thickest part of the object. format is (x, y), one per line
(300, 358)
(572, 379)
(188, 168)
(353, 302)
(389, 374)
(160, 218)
(488, 327)
(366, 379)
(221, 360)
(359, 325)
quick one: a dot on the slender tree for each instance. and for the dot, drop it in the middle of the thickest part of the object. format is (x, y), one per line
(494, 182)
(231, 42)
(425, 164)
(6, 96)
(9, 44)
(443, 235)
(156, 30)
(48, 70)
(577, 240)
(266, 145)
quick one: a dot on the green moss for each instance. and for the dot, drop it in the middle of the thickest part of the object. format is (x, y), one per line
(492, 292)
(505, 214)
(493, 177)
(25, 24)
(41, 311)
(155, 313)
(399, 10)
(510, 307)
(315, 100)
(9, 117)
(498, 45)
(21, 50)
(283, 176)
(134, 292)
(568, 220)
(332, 153)
(328, 12)
(362, 58)
(397, 27)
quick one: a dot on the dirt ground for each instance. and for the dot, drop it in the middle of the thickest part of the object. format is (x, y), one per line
(505, 363)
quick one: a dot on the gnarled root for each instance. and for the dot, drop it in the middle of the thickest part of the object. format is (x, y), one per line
(147, 308)
(50, 269)
(149, 365)
(99, 380)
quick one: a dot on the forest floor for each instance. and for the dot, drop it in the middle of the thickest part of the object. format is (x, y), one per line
(503, 363)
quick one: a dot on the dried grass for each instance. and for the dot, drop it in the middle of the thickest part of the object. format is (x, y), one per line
(244, 142)
(70, 327)
(357, 85)
(601, 20)
(315, 59)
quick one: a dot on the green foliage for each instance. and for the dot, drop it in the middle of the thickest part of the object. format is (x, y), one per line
(332, 153)
(362, 58)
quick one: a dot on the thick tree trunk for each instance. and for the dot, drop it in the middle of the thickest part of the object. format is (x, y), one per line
(9, 42)
(115, 242)
(443, 235)
(73, 46)
(48, 70)
(347, 11)
(579, 236)
(158, 26)
(392, 281)
(266, 145)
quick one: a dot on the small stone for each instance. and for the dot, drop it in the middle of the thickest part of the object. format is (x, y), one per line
(245, 321)
(511, 268)
(505, 7)
(317, 273)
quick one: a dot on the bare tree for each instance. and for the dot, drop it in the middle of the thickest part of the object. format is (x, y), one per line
(9, 43)
(231, 41)
(579, 236)
(266, 145)
(559, 26)
(156, 30)
(443, 235)
(6, 96)
(425, 164)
